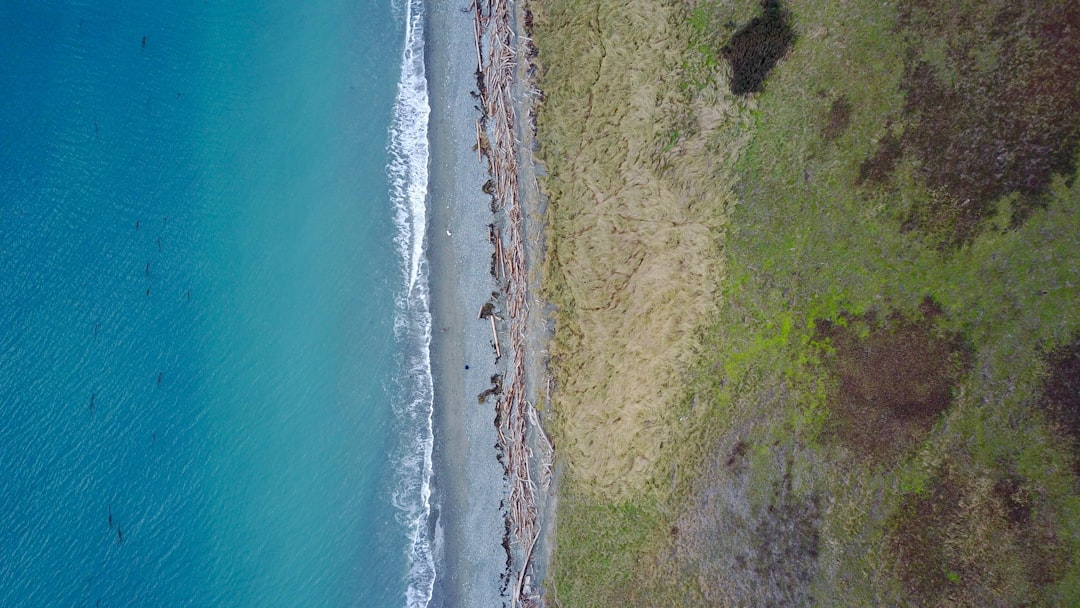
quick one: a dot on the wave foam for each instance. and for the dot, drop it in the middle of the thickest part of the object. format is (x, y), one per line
(408, 173)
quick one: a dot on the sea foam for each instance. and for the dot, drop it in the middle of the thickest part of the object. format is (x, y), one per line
(408, 172)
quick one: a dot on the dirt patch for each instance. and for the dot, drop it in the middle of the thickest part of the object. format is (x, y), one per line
(992, 106)
(893, 377)
(1061, 394)
(757, 47)
(879, 167)
(838, 119)
(938, 539)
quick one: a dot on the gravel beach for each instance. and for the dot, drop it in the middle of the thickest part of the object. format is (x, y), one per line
(468, 479)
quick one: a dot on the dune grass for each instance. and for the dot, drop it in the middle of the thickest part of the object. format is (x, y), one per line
(633, 266)
(633, 253)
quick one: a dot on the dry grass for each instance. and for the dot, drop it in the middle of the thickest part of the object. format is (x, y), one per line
(635, 230)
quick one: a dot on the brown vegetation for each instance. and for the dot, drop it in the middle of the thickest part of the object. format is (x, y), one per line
(992, 107)
(1061, 394)
(838, 119)
(918, 539)
(940, 536)
(879, 167)
(892, 382)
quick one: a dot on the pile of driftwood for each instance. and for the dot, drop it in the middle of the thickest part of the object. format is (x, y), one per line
(497, 142)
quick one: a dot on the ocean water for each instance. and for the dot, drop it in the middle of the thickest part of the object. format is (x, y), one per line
(214, 379)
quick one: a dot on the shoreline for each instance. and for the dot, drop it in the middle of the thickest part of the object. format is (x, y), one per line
(466, 482)
(484, 493)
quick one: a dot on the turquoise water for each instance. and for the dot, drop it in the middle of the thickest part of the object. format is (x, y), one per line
(201, 273)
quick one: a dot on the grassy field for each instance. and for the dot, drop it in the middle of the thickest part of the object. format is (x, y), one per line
(873, 374)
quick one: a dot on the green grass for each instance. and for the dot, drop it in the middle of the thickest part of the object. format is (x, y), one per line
(605, 552)
(805, 243)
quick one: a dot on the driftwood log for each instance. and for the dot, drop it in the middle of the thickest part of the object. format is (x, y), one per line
(496, 139)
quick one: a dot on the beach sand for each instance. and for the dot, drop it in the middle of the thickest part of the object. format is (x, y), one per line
(468, 479)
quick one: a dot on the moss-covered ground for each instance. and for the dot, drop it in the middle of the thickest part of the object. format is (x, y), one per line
(880, 407)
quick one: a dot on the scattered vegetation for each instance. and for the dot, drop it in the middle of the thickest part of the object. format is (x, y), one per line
(939, 537)
(715, 549)
(920, 530)
(1061, 395)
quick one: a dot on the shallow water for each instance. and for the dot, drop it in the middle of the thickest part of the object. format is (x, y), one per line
(198, 278)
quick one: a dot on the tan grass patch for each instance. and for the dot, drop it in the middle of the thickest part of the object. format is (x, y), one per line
(635, 227)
